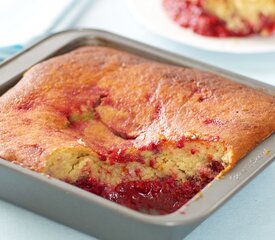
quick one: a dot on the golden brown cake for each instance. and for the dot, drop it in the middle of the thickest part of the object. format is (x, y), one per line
(224, 18)
(140, 133)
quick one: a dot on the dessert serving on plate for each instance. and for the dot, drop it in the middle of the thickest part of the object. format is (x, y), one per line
(137, 132)
(224, 18)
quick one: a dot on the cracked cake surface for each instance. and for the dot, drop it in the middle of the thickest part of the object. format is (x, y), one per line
(140, 133)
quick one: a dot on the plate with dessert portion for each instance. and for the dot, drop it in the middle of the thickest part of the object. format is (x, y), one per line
(223, 26)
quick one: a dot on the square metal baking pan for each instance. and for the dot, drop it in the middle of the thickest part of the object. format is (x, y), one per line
(90, 213)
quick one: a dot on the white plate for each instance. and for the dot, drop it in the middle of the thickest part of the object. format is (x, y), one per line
(151, 14)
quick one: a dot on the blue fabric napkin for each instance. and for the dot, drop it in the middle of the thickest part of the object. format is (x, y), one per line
(22, 22)
(6, 52)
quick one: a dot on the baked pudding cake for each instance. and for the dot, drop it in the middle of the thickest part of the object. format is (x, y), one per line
(137, 132)
(224, 18)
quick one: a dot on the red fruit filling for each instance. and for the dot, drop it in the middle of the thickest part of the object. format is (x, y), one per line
(161, 196)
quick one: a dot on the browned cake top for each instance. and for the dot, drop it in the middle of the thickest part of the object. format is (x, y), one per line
(130, 102)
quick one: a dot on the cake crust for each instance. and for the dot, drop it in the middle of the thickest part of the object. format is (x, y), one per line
(141, 102)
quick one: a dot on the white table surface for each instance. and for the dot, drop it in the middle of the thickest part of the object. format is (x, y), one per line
(249, 215)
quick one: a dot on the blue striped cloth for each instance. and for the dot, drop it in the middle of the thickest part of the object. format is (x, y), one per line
(70, 11)
(6, 52)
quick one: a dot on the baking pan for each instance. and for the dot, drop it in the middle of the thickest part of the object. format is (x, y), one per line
(97, 216)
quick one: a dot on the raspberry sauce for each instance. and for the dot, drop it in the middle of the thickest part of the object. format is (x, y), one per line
(162, 196)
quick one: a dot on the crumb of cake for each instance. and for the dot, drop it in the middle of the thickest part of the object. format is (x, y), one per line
(198, 196)
(80, 141)
(220, 176)
(46, 175)
(266, 152)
